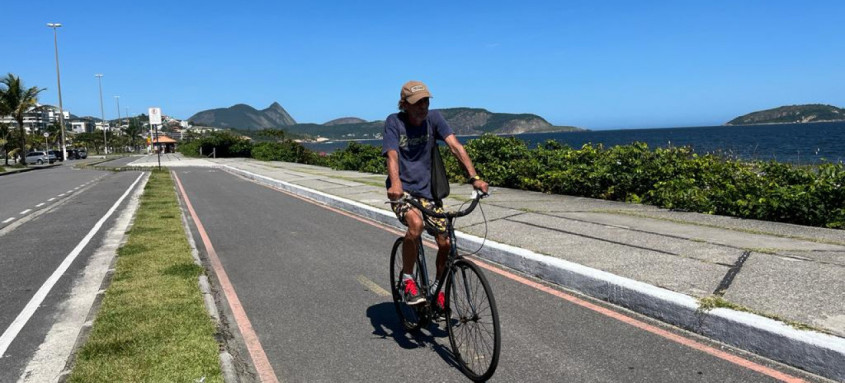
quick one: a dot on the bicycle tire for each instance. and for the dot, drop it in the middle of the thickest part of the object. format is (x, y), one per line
(472, 321)
(409, 316)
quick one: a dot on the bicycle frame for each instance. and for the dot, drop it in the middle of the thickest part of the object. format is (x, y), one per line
(450, 260)
(453, 250)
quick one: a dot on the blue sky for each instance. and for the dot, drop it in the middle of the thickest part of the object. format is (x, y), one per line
(592, 64)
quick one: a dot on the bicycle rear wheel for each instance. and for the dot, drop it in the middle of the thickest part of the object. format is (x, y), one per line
(411, 317)
(473, 321)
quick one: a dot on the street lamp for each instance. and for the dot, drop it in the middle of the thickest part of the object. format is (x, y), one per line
(59, 81)
(102, 113)
(117, 99)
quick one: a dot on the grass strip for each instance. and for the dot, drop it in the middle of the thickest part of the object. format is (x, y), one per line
(152, 325)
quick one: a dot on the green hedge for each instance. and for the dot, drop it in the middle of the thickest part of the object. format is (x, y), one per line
(224, 143)
(675, 178)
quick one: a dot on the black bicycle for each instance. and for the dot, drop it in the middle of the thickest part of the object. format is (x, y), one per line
(470, 310)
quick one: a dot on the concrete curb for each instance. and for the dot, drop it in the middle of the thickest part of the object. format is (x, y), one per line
(227, 363)
(815, 352)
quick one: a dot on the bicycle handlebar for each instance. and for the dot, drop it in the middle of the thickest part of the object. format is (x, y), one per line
(476, 196)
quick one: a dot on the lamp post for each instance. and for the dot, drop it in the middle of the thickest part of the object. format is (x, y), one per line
(117, 99)
(102, 113)
(59, 82)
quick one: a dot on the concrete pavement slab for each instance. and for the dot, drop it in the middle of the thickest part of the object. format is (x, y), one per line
(792, 289)
(817, 234)
(621, 235)
(685, 275)
(831, 257)
(727, 237)
(324, 184)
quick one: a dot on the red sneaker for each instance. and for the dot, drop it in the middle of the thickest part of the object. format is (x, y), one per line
(412, 293)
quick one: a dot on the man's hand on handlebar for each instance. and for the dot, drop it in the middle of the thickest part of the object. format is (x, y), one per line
(480, 185)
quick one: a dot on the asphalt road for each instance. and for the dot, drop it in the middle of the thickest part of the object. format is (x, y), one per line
(301, 272)
(24, 193)
(35, 244)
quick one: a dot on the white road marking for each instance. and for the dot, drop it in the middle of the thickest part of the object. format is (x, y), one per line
(51, 199)
(12, 332)
(62, 195)
(9, 220)
(26, 211)
(40, 204)
(50, 357)
(70, 191)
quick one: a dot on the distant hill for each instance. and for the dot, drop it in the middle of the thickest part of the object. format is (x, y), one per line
(470, 121)
(791, 114)
(345, 120)
(464, 121)
(242, 116)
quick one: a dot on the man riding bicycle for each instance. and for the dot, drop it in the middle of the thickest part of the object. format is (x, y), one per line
(408, 139)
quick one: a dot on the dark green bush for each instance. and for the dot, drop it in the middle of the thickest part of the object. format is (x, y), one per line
(359, 157)
(223, 143)
(287, 150)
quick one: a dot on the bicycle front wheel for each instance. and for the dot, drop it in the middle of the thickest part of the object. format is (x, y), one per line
(473, 321)
(410, 316)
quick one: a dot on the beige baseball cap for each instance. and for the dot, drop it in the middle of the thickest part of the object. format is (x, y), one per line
(414, 91)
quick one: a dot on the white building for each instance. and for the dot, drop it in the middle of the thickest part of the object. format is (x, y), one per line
(37, 117)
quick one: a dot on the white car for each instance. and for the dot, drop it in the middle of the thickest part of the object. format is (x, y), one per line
(40, 157)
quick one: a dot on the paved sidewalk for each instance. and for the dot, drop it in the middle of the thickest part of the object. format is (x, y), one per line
(651, 260)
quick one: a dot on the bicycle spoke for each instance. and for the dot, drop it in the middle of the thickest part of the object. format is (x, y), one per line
(473, 325)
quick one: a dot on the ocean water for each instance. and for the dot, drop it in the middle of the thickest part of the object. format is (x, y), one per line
(791, 143)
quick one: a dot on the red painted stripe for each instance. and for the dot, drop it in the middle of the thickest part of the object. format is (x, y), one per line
(645, 326)
(253, 344)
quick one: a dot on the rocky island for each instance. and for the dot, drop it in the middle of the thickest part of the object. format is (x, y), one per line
(792, 114)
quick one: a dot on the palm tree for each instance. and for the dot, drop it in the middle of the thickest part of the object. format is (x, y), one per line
(133, 131)
(4, 137)
(16, 100)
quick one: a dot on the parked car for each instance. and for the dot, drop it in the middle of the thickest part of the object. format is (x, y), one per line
(40, 157)
(83, 153)
(57, 154)
(72, 154)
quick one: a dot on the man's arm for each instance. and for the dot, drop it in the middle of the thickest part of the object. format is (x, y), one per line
(463, 159)
(395, 191)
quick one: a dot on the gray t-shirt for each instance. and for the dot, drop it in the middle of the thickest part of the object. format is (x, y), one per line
(413, 144)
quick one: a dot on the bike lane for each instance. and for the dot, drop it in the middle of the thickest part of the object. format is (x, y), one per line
(313, 283)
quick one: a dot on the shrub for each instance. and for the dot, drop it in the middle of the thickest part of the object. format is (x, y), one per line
(223, 143)
(287, 150)
(359, 157)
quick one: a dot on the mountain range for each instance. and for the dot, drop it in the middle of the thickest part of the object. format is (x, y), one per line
(242, 116)
(464, 121)
(791, 114)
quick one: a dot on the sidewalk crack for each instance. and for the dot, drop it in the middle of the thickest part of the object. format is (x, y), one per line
(596, 238)
(731, 274)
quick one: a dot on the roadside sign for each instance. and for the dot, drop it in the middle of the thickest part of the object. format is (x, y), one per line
(46, 134)
(155, 116)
